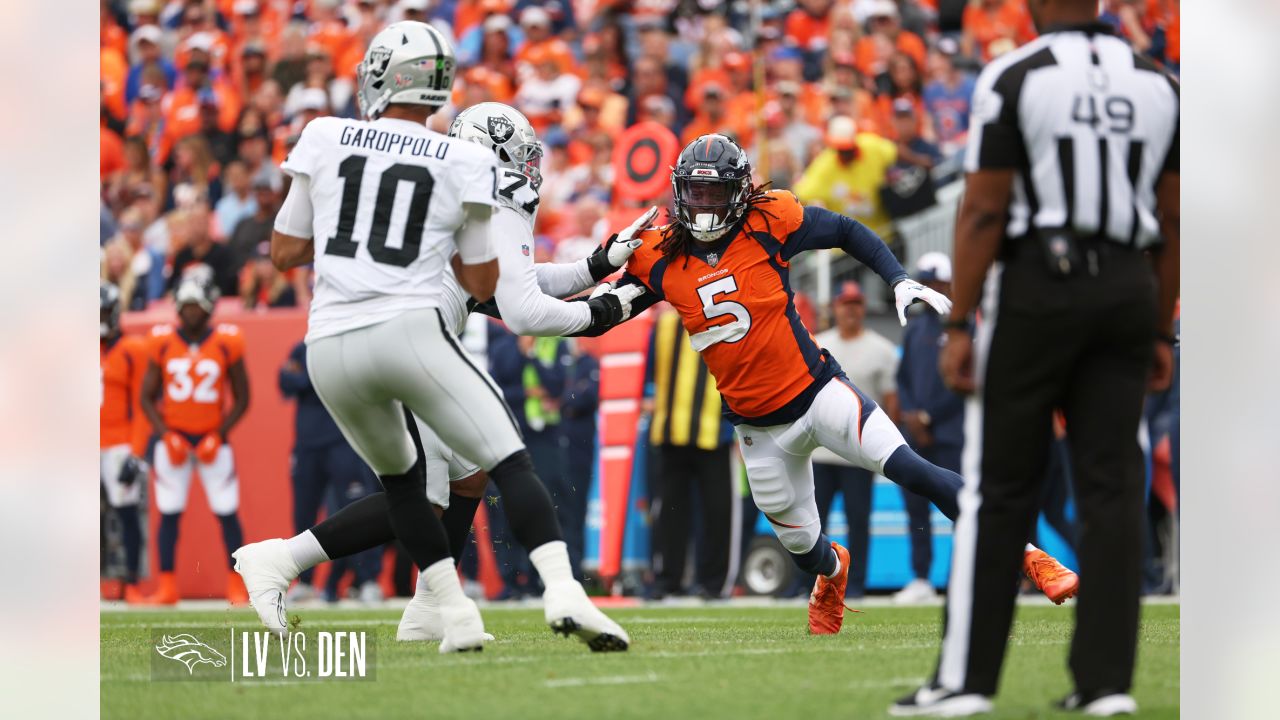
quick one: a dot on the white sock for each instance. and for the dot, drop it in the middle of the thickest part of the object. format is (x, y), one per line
(1030, 548)
(306, 550)
(837, 570)
(552, 561)
(422, 589)
(442, 581)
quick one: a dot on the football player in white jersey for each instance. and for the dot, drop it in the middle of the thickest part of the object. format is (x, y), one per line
(526, 299)
(380, 206)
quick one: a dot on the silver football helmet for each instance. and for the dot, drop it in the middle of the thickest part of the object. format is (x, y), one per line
(507, 132)
(408, 62)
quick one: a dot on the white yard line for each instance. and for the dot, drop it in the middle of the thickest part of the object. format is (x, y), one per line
(649, 677)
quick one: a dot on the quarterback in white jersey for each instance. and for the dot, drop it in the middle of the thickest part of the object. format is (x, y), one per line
(381, 206)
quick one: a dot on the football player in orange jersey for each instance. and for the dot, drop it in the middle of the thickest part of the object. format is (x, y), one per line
(723, 264)
(122, 430)
(192, 367)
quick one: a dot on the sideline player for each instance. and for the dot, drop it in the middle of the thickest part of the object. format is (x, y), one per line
(122, 430)
(524, 296)
(192, 367)
(724, 265)
(380, 205)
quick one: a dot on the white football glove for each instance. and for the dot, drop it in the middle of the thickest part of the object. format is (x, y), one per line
(620, 248)
(909, 291)
(625, 295)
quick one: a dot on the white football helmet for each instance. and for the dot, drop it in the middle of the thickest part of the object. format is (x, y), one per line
(409, 62)
(507, 132)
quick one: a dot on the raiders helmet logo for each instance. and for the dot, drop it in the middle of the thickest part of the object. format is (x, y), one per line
(500, 129)
(377, 61)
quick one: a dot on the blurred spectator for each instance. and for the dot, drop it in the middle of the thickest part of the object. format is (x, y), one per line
(138, 179)
(655, 44)
(903, 81)
(578, 407)
(254, 230)
(544, 96)
(802, 138)
(871, 362)
(139, 270)
(948, 97)
(193, 166)
(262, 285)
(713, 117)
(909, 186)
(690, 444)
(199, 248)
(932, 417)
(848, 175)
(335, 93)
(145, 54)
(535, 24)
(808, 27)
(994, 27)
(237, 201)
(323, 463)
(884, 37)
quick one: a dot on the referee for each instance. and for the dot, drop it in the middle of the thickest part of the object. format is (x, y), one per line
(1069, 232)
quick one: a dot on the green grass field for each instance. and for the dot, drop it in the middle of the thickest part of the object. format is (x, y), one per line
(705, 662)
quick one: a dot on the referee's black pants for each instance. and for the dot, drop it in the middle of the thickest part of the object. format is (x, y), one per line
(680, 473)
(1083, 344)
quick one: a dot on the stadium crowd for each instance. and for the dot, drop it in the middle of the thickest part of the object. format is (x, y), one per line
(861, 106)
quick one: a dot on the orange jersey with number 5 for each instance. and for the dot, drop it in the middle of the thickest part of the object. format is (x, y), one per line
(193, 374)
(122, 364)
(734, 298)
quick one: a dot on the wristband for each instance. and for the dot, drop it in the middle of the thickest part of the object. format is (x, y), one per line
(950, 324)
(1169, 340)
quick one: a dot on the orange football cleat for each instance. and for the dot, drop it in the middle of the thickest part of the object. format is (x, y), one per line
(166, 590)
(1050, 576)
(236, 592)
(826, 602)
(133, 594)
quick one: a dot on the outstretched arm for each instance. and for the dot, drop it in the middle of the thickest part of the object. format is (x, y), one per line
(565, 279)
(826, 229)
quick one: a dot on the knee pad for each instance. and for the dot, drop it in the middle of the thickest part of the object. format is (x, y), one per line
(769, 486)
(797, 538)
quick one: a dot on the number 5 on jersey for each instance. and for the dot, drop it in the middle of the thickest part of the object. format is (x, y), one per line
(730, 332)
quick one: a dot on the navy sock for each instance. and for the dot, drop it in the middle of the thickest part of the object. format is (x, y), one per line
(131, 537)
(457, 521)
(232, 535)
(819, 560)
(167, 540)
(939, 485)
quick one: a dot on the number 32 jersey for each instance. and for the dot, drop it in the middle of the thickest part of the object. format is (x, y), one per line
(735, 300)
(193, 373)
(387, 198)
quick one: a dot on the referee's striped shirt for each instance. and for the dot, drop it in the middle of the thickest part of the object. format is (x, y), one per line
(1089, 126)
(687, 409)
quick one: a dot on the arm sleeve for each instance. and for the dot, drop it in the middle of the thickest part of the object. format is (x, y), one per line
(823, 228)
(564, 279)
(296, 213)
(525, 307)
(474, 239)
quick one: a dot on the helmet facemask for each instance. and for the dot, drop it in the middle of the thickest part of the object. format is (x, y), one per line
(709, 206)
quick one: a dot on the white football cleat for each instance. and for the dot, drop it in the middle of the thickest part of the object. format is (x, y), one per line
(462, 627)
(421, 620)
(267, 568)
(916, 591)
(570, 612)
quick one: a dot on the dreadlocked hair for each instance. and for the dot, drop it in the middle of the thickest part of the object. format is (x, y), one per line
(677, 241)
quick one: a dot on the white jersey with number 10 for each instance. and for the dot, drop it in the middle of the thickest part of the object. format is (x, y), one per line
(388, 197)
